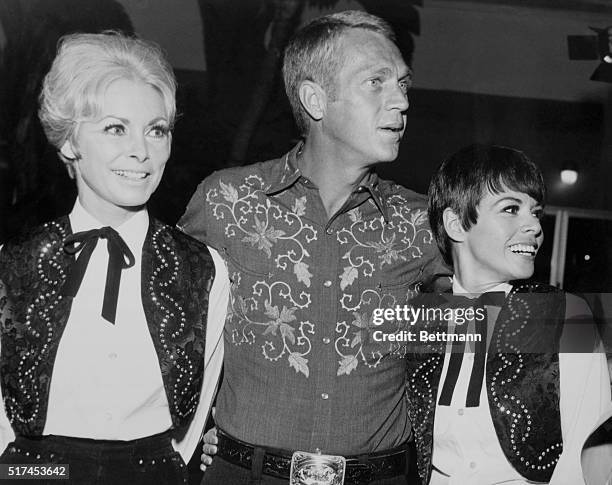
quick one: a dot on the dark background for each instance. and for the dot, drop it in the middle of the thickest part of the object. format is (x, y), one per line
(234, 110)
(485, 71)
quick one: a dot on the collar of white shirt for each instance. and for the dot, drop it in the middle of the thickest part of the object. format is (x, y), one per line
(458, 289)
(133, 231)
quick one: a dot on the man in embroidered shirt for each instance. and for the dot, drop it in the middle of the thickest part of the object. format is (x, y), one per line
(520, 411)
(314, 242)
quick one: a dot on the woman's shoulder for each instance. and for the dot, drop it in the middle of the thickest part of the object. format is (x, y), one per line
(41, 238)
(184, 243)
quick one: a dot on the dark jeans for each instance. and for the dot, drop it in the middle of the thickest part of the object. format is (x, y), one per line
(144, 461)
(221, 472)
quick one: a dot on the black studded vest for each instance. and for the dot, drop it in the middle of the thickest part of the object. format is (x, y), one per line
(177, 273)
(522, 382)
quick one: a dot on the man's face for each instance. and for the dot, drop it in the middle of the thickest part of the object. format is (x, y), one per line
(366, 114)
(503, 243)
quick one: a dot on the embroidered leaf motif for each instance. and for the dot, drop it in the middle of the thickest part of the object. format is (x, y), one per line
(355, 215)
(361, 320)
(299, 206)
(418, 217)
(263, 237)
(287, 332)
(228, 192)
(388, 249)
(279, 320)
(299, 363)
(271, 311)
(347, 365)
(242, 305)
(301, 272)
(287, 314)
(348, 276)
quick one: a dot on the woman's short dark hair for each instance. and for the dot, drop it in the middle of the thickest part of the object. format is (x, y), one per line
(462, 181)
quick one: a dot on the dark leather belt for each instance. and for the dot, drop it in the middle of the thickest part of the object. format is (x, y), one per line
(360, 469)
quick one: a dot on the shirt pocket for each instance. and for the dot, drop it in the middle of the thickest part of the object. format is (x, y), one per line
(247, 262)
(375, 312)
(264, 299)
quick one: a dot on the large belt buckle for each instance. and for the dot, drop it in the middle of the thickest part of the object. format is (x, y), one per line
(316, 469)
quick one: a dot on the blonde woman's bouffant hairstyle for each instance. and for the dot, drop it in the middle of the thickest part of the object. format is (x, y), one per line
(84, 67)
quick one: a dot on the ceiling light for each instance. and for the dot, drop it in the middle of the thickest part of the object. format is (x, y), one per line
(569, 176)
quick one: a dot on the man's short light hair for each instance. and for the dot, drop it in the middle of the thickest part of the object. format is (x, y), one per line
(314, 54)
(85, 65)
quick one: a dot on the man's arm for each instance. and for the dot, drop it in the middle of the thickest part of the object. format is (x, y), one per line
(196, 219)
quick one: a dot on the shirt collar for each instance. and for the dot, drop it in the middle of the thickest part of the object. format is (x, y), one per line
(290, 174)
(133, 231)
(458, 289)
(370, 184)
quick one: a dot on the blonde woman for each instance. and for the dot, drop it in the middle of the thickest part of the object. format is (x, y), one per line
(104, 310)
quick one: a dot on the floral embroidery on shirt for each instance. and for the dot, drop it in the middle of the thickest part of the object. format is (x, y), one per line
(279, 323)
(356, 338)
(359, 330)
(388, 248)
(394, 242)
(271, 294)
(263, 224)
(263, 237)
(260, 231)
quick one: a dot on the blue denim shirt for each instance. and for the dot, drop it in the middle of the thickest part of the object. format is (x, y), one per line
(301, 368)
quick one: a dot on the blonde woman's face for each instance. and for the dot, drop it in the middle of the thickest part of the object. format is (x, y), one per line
(123, 153)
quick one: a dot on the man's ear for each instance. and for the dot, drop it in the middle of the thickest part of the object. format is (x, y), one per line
(313, 99)
(452, 225)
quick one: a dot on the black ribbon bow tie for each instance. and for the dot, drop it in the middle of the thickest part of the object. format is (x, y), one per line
(491, 298)
(119, 257)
